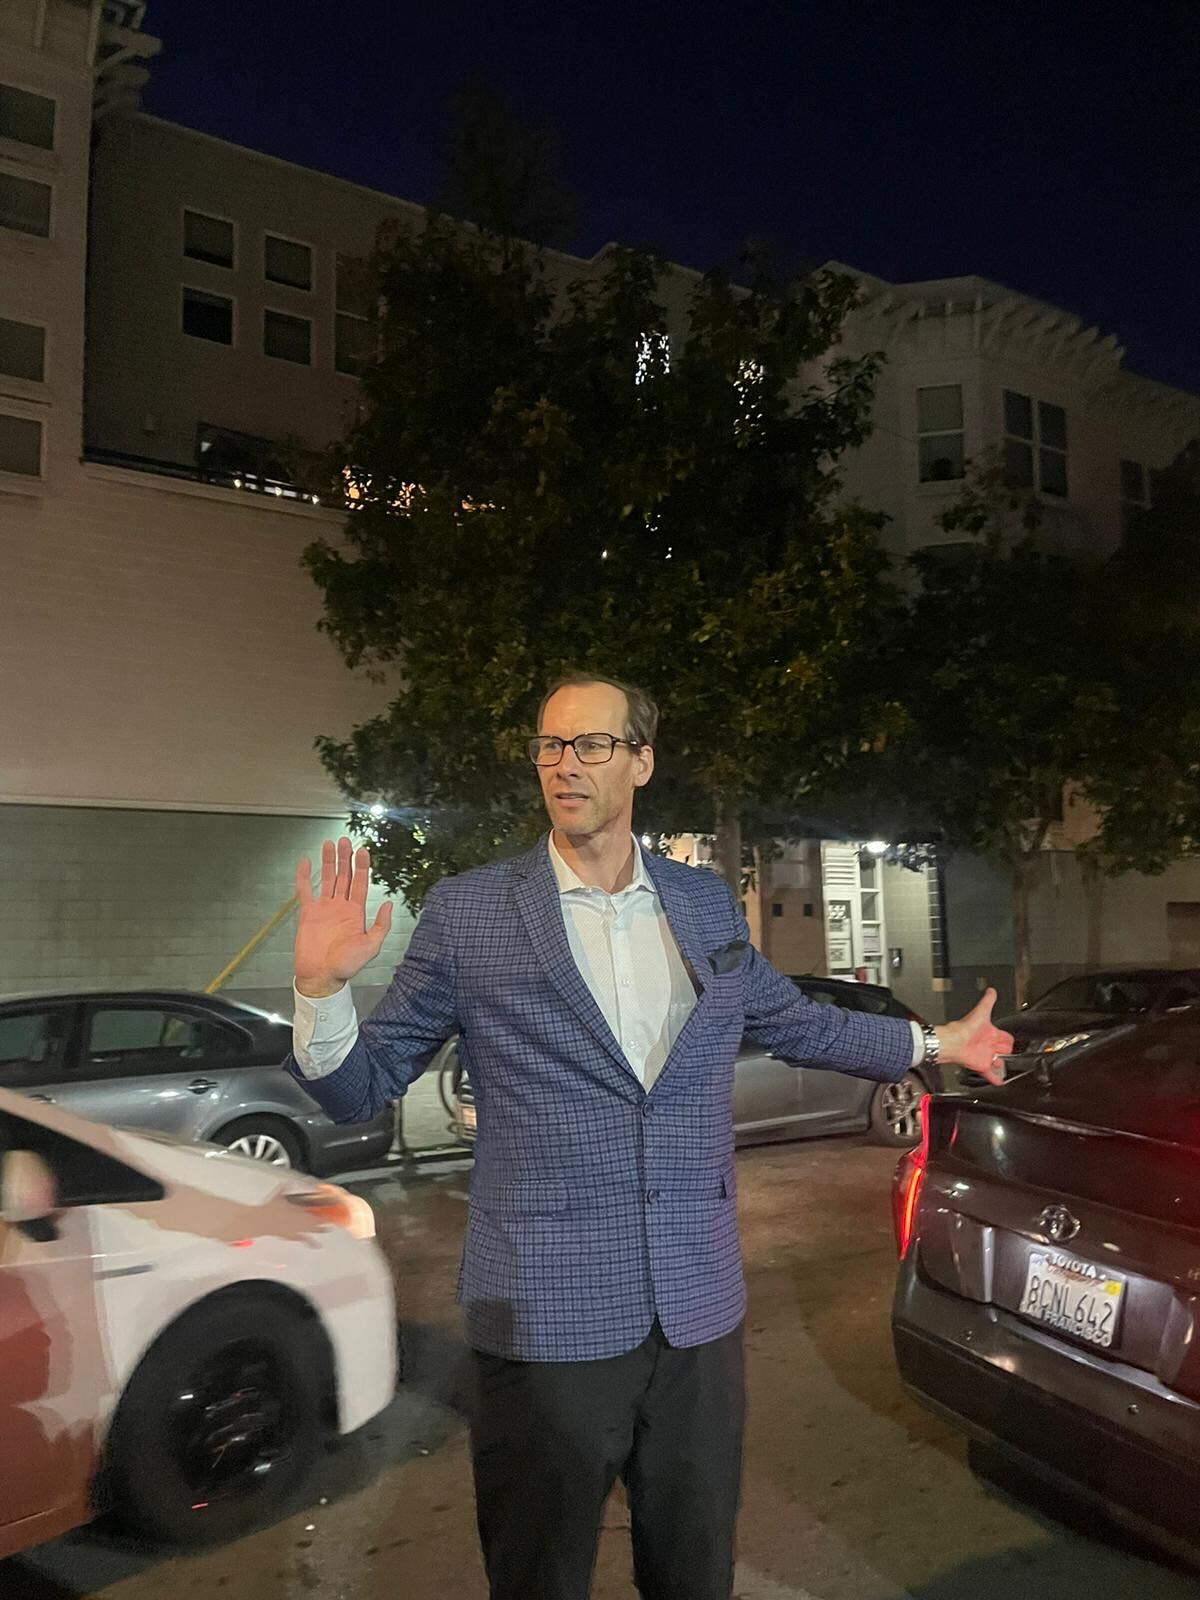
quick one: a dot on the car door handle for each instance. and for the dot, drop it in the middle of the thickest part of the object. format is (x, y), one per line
(201, 1085)
(46, 1099)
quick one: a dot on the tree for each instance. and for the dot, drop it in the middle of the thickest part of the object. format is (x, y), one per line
(541, 478)
(1025, 676)
(505, 175)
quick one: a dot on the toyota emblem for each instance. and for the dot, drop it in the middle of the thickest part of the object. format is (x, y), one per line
(1057, 1223)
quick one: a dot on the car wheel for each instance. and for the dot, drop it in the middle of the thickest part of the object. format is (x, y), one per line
(262, 1139)
(220, 1423)
(896, 1112)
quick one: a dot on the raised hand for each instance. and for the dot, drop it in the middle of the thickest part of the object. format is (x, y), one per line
(333, 942)
(975, 1042)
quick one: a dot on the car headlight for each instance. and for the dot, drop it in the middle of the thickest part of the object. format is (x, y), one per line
(339, 1206)
(1063, 1041)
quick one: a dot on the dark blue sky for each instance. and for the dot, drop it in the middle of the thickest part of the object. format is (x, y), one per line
(1054, 147)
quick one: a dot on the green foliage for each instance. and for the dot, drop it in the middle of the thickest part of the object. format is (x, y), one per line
(1023, 675)
(539, 488)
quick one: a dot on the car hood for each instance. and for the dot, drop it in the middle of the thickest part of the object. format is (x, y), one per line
(1048, 1024)
(207, 1168)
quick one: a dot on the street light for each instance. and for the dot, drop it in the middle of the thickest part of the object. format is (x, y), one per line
(877, 847)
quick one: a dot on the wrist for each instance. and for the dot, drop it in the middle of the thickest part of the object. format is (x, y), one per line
(318, 987)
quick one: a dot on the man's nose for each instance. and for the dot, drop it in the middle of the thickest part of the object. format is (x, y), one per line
(570, 766)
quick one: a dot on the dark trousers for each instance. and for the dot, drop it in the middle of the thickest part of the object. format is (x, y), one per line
(550, 1438)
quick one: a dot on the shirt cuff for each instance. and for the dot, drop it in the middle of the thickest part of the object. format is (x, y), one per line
(918, 1043)
(324, 1031)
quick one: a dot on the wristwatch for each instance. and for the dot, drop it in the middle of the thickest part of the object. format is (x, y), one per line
(933, 1045)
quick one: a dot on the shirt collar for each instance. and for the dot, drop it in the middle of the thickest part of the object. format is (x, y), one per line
(570, 882)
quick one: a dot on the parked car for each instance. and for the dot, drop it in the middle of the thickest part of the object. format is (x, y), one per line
(771, 1098)
(180, 1334)
(193, 1065)
(1049, 1289)
(1078, 1008)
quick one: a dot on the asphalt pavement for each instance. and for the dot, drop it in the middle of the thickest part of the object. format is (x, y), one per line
(851, 1492)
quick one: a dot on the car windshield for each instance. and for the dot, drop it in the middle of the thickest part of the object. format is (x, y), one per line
(1112, 995)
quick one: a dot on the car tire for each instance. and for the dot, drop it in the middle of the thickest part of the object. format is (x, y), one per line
(220, 1423)
(894, 1112)
(268, 1139)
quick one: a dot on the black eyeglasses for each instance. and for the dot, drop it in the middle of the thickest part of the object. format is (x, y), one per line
(591, 748)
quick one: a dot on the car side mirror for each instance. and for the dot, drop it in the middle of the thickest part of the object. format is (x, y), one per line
(28, 1195)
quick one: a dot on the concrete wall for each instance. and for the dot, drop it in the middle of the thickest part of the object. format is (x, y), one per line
(1077, 922)
(164, 640)
(133, 899)
(907, 926)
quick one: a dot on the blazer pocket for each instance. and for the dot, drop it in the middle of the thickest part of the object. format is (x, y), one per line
(525, 1197)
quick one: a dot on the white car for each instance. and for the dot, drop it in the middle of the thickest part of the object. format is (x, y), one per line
(180, 1329)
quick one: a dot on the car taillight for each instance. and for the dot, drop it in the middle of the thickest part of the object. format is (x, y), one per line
(331, 1204)
(906, 1192)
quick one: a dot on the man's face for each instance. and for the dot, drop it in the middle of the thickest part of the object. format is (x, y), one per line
(585, 799)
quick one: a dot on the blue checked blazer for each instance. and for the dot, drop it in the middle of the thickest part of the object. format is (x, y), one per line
(594, 1206)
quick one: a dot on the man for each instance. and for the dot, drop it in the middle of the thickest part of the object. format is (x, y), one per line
(600, 994)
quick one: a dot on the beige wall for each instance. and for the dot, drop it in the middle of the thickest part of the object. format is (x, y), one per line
(159, 647)
(149, 384)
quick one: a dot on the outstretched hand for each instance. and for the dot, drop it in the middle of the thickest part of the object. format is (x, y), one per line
(975, 1042)
(333, 942)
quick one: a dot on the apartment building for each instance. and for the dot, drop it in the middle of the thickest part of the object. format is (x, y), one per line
(179, 319)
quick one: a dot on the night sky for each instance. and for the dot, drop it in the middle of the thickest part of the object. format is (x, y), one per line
(1052, 147)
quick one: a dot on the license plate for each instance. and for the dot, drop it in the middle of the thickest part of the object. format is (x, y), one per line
(1073, 1297)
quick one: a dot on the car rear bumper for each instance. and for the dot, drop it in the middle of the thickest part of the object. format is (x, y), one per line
(1106, 1428)
(342, 1147)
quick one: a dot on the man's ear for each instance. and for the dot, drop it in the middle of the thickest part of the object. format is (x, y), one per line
(645, 761)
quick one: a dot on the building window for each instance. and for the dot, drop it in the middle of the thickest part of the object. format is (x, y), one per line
(27, 118)
(287, 338)
(1035, 444)
(940, 453)
(207, 316)
(1135, 494)
(285, 261)
(22, 350)
(354, 333)
(207, 239)
(20, 446)
(25, 205)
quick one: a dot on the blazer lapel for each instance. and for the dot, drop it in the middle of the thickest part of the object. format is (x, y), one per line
(692, 937)
(538, 902)
(681, 919)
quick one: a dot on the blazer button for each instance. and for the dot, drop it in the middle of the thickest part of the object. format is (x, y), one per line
(652, 1195)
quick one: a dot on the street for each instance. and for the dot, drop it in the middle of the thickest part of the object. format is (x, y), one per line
(851, 1492)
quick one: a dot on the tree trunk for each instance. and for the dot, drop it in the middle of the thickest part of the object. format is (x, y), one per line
(1022, 964)
(729, 853)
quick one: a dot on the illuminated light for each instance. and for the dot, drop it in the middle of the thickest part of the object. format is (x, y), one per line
(604, 555)
(653, 355)
(1063, 1041)
(237, 483)
(328, 1203)
(646, 840)
(278, 490)
(908, 1190)
(877, 847)
(378, 810)
(240, 1244)
(316, 499)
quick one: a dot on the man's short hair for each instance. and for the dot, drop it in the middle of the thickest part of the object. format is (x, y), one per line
(641, 719)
